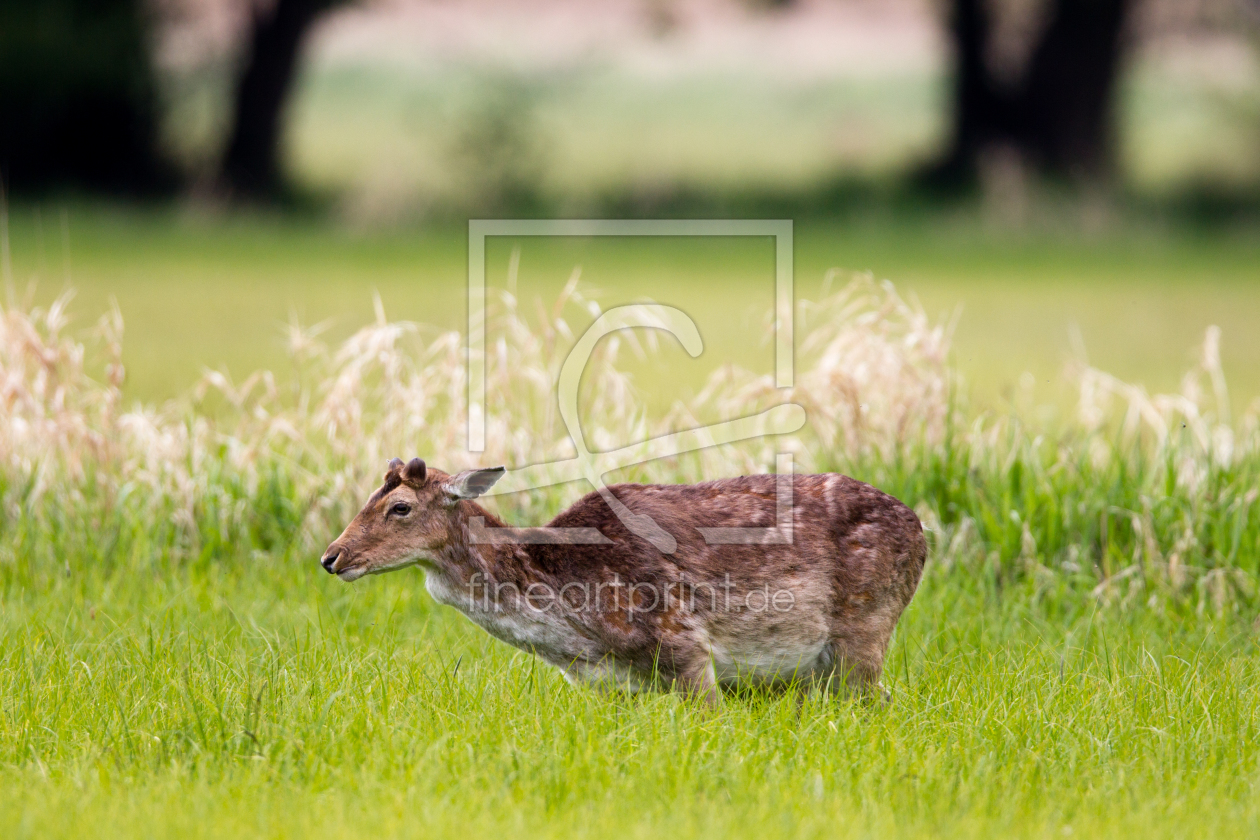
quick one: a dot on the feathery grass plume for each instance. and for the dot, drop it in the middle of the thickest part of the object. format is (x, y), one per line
(871, 373)
(1140, 499)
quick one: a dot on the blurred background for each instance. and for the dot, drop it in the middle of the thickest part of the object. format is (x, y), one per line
(1077, 175)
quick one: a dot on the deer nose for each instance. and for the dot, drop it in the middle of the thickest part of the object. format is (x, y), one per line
(329, 558)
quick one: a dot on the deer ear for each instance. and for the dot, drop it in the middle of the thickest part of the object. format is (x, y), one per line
(414, 472)
(472, 483)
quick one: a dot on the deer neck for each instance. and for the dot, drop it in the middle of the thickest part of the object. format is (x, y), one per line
(491, 581)
(468, 560)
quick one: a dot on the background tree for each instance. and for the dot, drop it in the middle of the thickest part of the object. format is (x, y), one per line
(78, 103)
(251, 163)
(1058, 112)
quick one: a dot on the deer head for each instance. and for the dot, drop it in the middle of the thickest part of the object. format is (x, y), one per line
(408, 520)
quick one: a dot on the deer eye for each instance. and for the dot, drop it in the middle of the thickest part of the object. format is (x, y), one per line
(400, 509)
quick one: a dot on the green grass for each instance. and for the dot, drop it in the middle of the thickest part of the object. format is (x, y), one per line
(199, 293)
(261, 697)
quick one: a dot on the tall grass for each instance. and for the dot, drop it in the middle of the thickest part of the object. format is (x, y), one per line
(1139, 500)
(173, 663)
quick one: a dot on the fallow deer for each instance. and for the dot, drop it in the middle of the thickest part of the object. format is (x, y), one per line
(811, 598)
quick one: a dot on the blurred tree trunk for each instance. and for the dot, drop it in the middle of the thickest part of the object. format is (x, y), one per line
(1069, 89)
(978, 104)
(1058, 113)
(251, 163)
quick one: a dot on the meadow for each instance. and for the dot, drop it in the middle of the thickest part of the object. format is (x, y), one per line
(1080, 658)
(202, 292)
(250, 696)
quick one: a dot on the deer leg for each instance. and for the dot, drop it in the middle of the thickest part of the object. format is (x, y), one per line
(856, 675)
(695, 678)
